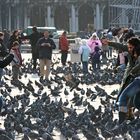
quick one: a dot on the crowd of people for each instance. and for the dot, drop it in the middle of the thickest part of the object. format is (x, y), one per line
(95, 50)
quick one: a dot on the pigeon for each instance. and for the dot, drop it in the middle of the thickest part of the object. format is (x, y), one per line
(66, 92)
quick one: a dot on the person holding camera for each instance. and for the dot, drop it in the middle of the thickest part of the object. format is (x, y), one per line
(45, 46)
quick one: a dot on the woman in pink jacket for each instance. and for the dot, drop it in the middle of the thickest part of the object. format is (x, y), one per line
(93, 40)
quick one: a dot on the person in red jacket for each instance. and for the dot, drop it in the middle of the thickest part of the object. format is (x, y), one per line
(64, 47)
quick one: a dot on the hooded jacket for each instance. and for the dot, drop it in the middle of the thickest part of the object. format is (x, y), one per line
(92, 42)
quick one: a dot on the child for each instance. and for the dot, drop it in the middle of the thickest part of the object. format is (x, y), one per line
(17, 61)
(84, 50)
(96, 58)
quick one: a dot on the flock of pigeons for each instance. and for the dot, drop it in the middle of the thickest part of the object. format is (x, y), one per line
(86, 111)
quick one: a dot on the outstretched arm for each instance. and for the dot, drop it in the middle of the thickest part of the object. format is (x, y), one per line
(6, 61)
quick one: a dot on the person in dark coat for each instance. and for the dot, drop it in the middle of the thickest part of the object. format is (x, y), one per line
(34, 37)
(45, 46)
(96, 59)
(3, 53)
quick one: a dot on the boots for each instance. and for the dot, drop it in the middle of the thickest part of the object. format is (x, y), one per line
(122, 117)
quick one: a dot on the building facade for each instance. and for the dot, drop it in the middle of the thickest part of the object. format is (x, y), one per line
(124, 13)
(71, 15)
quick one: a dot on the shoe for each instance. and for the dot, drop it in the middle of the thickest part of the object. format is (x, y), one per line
(41, 79)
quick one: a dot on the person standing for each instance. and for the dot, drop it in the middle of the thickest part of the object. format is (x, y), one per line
(96, 59)
(64, 47)
(45, 46)
(17, 61)
(93, 40)
(34, 37)
(84, 50)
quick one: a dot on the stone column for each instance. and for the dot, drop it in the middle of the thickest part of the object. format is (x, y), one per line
(28, 18)
(76, 21)
(70, 22)
(95, 17)
(18, 18)
(9, 18)
(0, 18)
(48, 16)
(102, 13)
(45, 11)
(73, 19)
(97, 25)
(52, 16)
(25, 18)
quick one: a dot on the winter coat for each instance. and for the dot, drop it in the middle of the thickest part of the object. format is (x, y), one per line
(93, 43)
(85, 51)
(6, 61)
(34, 37)
(96, 56)
(17, 57)
(63, 43)
(130, 63)
(45, 52)
(3, 49)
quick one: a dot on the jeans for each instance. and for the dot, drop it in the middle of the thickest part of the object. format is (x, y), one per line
(64, 57)
(128, 93)
(121, 68)
(34, 59)
(109, 52)
(85, 67)
(95, 65)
